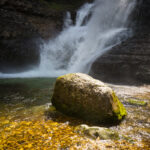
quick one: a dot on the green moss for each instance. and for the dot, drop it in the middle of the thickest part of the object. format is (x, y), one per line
(80, 109)
(136, 102)
(68, 76)
(119, 111)
(95, 132)
(52, 108)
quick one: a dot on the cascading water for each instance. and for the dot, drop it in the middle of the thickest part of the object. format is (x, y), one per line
(99, 26)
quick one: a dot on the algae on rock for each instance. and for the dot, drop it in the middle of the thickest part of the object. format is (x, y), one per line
(136, 102)
(97, 132)
(81, 96)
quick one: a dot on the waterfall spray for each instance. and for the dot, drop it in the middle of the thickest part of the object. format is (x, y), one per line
(98, 27)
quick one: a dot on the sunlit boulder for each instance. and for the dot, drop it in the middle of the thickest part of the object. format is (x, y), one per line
(81, 96)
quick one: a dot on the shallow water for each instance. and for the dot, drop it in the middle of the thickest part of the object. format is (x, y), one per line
(18, 97)
(25, 121)
(137, 123)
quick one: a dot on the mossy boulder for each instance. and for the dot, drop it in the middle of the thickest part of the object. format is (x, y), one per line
(81, 96)
(97, 132)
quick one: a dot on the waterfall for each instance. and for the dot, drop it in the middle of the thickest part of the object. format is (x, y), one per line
(98, 27)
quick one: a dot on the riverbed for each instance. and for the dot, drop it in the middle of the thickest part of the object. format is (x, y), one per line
(29, 121)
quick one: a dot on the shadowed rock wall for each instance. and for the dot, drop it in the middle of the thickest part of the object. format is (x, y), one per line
(129, 62)
(23, 26)
(25, 23)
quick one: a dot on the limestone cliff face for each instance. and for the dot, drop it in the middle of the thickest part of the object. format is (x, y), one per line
(142, 13)
(24, 24)
(129, 62)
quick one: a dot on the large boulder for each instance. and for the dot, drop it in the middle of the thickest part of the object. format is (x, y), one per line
(82, 96)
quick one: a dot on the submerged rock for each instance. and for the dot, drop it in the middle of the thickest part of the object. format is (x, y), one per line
(97, 132)
(81, 96)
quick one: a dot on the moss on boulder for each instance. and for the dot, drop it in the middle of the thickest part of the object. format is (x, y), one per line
(81, 96)
(97, 132)
(136, 102)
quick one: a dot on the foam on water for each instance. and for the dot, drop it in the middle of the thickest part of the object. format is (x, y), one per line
(98, 27)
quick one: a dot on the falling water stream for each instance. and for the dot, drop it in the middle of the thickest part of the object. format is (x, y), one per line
(98, 27)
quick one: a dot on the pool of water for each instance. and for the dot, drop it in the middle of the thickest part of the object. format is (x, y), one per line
(28, 121)
(20, 98)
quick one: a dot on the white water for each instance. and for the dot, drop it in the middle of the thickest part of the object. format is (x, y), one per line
(98, 27)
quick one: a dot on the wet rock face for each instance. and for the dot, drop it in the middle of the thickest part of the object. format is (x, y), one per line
(142, 13)
(81, 96)
(23, 25)
(18, 54)
(97, 132)
(129, 62)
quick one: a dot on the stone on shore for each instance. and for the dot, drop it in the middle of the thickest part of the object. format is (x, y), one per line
(97, 132)
(81, 96)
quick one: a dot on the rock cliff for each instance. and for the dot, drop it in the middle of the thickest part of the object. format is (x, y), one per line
(24, 23)
(129, 62)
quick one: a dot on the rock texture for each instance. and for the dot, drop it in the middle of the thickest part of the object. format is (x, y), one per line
(24, 24)
(82, 96)
(129, 62)
(97, 132)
